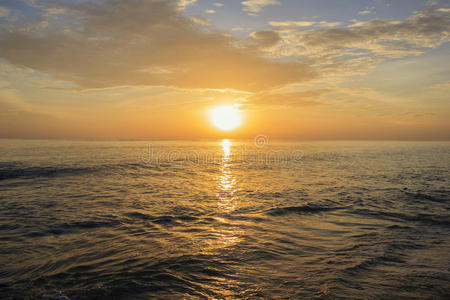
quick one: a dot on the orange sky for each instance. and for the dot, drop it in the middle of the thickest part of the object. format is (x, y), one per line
(154, 69)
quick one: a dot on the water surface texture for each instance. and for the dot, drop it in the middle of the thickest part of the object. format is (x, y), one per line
(225, 219)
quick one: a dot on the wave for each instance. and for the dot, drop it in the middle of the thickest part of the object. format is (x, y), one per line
(428, 219)
(67, 228)
(173, 277)
(33, 172)
(163, 219)
(14, 171)
(303, 209)
(427, 197)
(373, 261)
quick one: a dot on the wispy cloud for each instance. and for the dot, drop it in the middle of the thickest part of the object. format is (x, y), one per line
(4, 12)
(291, 23)
(365, 43)
(300, 99)
(183, 3)
(201, 21)
(253, 7)
(367, 11)
(303, 23)
(264, 39)
(444, 10)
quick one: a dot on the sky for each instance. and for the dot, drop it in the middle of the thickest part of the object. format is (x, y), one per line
(296, 69)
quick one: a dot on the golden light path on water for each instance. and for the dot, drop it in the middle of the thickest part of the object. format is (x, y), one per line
(227, 182)
(226, 194)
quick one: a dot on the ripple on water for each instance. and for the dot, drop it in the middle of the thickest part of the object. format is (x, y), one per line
(350, 219)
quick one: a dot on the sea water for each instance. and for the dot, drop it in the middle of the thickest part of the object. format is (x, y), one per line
(224, 219)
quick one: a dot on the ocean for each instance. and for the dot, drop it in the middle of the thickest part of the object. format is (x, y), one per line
(224, 219)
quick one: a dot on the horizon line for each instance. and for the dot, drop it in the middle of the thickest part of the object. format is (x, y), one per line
(219, 139)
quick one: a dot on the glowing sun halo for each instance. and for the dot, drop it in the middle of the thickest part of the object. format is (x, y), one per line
(226, 117)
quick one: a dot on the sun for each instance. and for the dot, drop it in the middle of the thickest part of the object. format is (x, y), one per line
(226, 117)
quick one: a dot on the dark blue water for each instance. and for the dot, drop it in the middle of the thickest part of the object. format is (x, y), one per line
(178, 219)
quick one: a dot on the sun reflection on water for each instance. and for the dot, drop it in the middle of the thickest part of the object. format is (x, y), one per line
(227, 197)
(226, 181)
(226, 147)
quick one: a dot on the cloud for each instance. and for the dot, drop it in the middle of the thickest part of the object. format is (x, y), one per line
(303, 24)
(255, 6)
(355, 47)
(300, 99)
(264, 38)
(4, 12)
(142, 43)
(210, 11)
(183, 3)
(328, 24)
(291, 23)
(218, 4)
(365, 12)
(201, 21)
